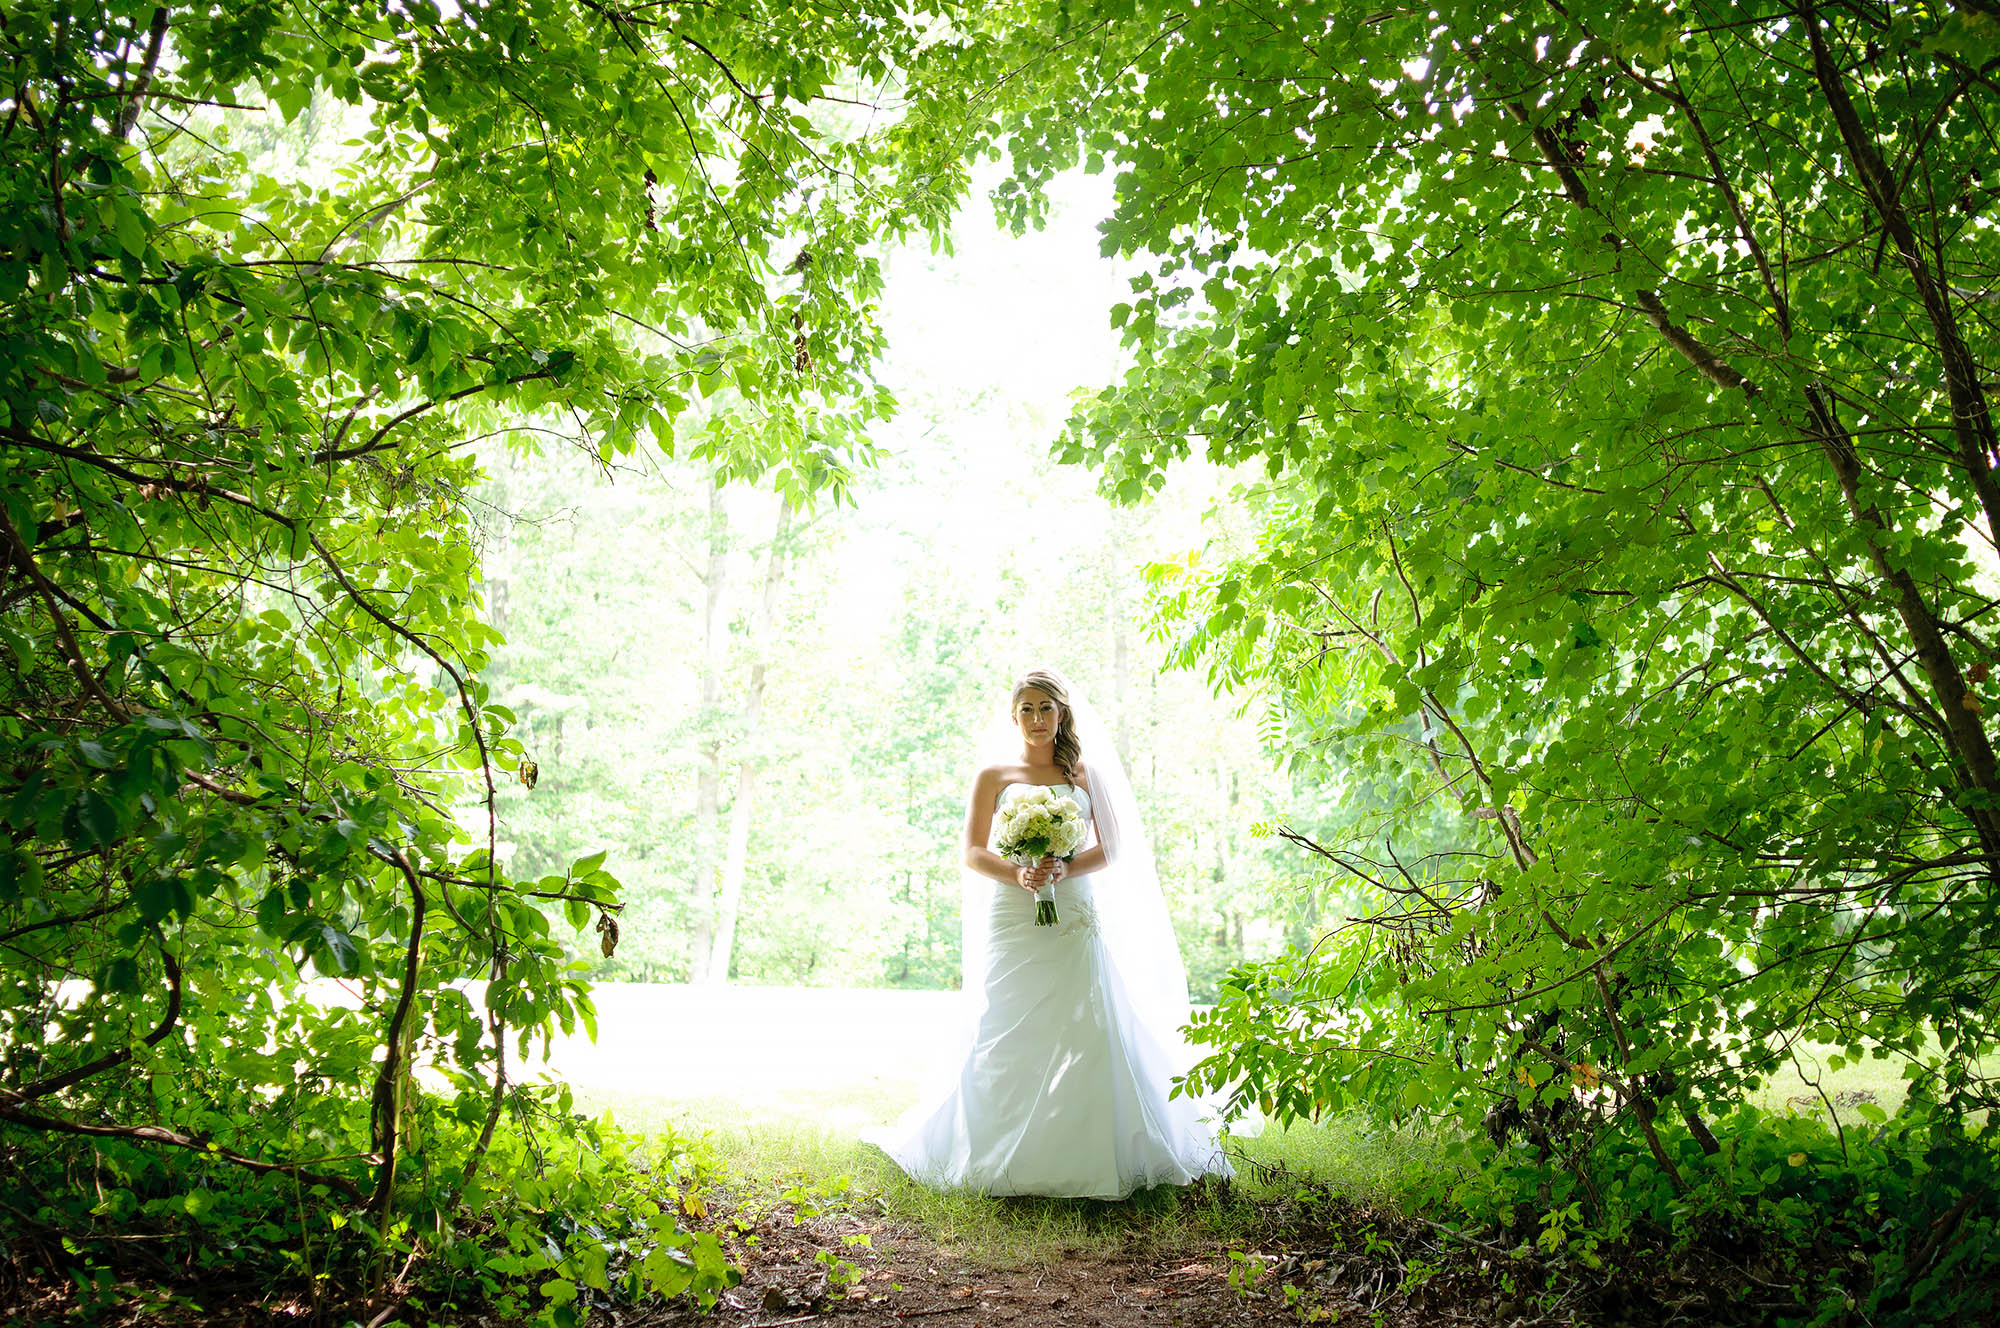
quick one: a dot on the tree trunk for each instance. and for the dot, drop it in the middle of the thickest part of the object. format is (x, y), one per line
(730, 898)
(730, 902)
(708, 778)
(1964, 733)
(1971, 413)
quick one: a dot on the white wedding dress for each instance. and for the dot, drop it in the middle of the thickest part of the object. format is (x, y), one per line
(1063, 1091)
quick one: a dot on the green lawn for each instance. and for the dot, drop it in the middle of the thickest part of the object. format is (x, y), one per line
(1793, 1088)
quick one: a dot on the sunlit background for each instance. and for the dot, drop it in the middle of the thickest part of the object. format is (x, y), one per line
(832, 712)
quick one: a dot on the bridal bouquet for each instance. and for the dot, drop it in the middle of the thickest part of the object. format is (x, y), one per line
(1041, 823)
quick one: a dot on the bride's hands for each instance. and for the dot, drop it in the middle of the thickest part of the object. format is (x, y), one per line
(1032, 876)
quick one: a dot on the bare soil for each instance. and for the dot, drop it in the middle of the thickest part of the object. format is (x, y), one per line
(1322, 1262)
(901, 1277)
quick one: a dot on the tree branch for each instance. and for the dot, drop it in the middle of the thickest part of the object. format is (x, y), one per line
(66, 919)
(73, 655)
(1966, 735)
(374, 444)
(754, 98)
(1971, 415)
(391, 1080)
(1705, 361)
(128, 114)
(162, 1135)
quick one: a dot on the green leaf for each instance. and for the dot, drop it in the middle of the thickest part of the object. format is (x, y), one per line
(20, 876)
(338, 955)
(130, 226)
(120, 976)
(161, 896)
(271, 912)
(99, 817)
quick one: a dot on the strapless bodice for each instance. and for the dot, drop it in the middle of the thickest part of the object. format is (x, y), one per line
(1080, 795)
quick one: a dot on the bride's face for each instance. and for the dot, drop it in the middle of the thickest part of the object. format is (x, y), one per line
(1036, 714)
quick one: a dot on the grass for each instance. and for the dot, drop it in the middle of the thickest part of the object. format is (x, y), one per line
(802, 1147)
(797, 1142)
(1792, 1088)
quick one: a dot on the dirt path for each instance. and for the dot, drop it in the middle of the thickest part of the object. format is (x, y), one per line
(751, 1043)
(851, 1271)
(902, 1278)
(820, 1270)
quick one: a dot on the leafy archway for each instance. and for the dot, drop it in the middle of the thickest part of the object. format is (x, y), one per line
(1622, 377)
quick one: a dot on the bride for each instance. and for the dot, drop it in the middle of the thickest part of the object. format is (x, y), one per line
(1061, 1085)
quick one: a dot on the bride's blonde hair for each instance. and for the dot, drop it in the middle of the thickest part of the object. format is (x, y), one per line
(1069, 752)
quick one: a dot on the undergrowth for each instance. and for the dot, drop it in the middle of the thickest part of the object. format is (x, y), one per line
(612, 1201)
(568, 1212)
(1891, 1224)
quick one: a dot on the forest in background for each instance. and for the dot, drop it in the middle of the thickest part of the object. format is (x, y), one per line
(857, 702)
(674, 655)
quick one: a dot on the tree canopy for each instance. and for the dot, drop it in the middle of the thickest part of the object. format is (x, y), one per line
(1622, 376)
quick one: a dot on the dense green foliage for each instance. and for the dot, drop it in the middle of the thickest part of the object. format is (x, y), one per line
(1622, 376)
(242, 715)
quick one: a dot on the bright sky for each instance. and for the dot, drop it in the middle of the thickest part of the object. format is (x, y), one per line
(986, 345)
(1023, 316)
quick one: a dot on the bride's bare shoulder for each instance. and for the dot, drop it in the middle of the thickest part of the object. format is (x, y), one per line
(1003, 772)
